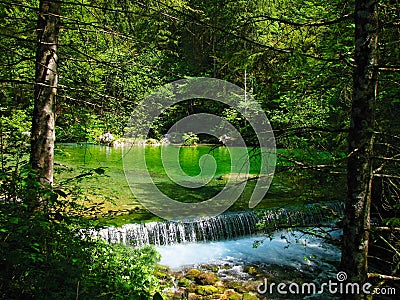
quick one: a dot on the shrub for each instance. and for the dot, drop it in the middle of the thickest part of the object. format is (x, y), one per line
(119, 272)
(44, 255)
(190, 139)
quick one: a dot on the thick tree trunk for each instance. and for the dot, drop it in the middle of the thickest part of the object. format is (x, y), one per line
(46, 79)
(359, 168)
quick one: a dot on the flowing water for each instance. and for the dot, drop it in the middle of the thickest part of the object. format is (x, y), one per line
(222, 227)
(233, 238)
(284, 248)
(225, 226)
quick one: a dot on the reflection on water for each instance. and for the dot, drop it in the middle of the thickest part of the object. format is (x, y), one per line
(288, 188)
(212, 167)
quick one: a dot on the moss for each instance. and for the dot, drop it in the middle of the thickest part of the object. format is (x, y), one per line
(231, 295)
(184, 282)
(237, 286)
(193, 296)
(207, 290)
(207, 278)
(193, 274)
(248, 296)
(212, 268)
(162, 272)
(235, 297)
(251, 270)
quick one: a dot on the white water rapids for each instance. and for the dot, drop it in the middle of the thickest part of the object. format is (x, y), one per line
(286, 248)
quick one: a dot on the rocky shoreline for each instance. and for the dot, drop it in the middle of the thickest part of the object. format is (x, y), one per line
(230, 281)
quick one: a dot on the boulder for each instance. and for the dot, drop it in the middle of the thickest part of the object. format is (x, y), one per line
(207, 278)
(231, 295)
(206, 290)
(193, 274)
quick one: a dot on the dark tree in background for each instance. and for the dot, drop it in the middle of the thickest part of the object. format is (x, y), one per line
(360, 142)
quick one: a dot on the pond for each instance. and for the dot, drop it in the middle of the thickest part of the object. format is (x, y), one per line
(75, 159)
(113, 193)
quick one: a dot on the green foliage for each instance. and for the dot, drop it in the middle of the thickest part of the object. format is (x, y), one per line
(152, 142)
(112, 54)
(47, 251)
(79, 126)
(190, 139)
(14, 134)
(119, 272)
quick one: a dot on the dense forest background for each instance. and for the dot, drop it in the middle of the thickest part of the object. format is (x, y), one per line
(299, 59)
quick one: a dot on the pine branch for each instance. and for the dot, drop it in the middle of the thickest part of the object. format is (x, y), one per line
(298, 24)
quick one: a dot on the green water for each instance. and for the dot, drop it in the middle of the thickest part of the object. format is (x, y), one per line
(113, 189)
(213, 168)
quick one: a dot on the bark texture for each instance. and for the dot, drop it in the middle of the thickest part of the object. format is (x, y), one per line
(360, 143)
(46, 80)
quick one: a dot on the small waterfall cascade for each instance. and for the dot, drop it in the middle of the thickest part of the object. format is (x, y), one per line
(222, 227)
(302, 215)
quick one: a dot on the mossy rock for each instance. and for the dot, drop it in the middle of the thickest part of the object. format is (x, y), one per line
(163, 275)
(207, 278)
(162, 270)
(184, 282)
(251, 270)
(193, 274)
(251, 286)
(250, 296)
(220, 286)
(268, 276)
(237, 286)
(193, 296)
(206, 290)
(160, 274)
(231, 295)
(235, 297)
(212, 268)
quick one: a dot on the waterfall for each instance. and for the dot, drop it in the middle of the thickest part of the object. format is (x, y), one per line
(302, 215)
(221, 227)
(224, 226)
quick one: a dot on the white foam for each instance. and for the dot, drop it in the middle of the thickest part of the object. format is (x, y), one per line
(285, 252)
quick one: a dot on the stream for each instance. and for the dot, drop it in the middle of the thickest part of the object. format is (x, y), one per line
(285, 248)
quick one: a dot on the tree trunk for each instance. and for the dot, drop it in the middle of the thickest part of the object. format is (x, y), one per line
(360, 140)
(46, 80)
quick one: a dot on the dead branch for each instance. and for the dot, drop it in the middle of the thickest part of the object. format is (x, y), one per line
(381, 276)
